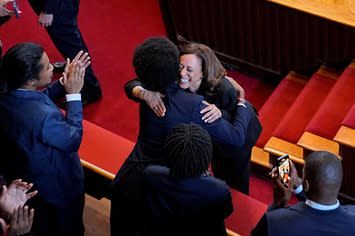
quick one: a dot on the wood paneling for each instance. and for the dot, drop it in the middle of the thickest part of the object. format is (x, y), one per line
(261, 37)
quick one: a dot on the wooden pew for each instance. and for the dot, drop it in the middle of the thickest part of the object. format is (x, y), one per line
(102, 153)
(324, 125)
(346, 139)
(291, 127)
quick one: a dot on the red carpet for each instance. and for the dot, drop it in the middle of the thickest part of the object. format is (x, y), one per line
(112, 29)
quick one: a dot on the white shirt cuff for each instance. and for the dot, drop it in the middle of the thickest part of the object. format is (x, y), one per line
(298, 189)
(73, 97)
(240, 104)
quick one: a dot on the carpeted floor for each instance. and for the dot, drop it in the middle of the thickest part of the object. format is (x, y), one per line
(112, 29)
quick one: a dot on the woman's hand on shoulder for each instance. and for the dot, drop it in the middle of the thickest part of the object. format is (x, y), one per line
(240, 90)
(211, 113)
(155, 101)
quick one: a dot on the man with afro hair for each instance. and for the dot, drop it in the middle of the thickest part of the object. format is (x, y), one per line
(156, 63)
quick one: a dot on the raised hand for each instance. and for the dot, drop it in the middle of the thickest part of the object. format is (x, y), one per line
(3, 10)
(16, 194)
(212, 113)
(74, 72)
(21, 221)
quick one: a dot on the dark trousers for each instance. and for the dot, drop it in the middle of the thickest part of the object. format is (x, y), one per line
(58, 221)
(67, 38)
(127, 204)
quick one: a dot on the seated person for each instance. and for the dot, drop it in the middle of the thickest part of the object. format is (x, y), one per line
(320, 212)
(184, 198)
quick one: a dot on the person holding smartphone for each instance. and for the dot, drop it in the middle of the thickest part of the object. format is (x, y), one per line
(5, 15)
(319, 211)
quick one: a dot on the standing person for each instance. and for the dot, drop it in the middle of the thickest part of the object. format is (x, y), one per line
(156, 63)
(202, 73)
(183, 197)
(60, 19)
(319, 211)
(39, 143)
(5, 15)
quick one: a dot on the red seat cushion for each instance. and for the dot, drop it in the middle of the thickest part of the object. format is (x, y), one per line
(327, 120)
(247, 213)
(303, 109)
(103, 148)
(276, 107)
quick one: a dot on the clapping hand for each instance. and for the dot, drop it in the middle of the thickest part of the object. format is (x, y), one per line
(21, 221)
(16, 194)
(74, 72)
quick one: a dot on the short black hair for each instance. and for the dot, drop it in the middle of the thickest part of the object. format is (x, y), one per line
(188, 149)
(323, 171)
(156, 63)
(20, 64)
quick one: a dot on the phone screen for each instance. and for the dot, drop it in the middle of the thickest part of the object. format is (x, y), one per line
(15, 6)
(283, 168)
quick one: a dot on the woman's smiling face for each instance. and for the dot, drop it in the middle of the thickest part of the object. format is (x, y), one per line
(190, 72)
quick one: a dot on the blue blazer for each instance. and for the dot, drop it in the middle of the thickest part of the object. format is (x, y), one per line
(182, 107)
(188, 206)
(41, 143)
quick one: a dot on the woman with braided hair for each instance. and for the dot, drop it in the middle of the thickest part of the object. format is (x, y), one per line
(183, 198)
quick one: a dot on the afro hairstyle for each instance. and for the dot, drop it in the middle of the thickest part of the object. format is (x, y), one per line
(156, 63)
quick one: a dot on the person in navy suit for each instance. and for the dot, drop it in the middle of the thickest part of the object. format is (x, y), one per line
(39, 143)
(183, 198)
(156, 63)
(60, 19)
(319, 211)
(202, 73)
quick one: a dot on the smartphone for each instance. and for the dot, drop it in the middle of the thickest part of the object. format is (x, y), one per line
(283, 169)
(15, 6)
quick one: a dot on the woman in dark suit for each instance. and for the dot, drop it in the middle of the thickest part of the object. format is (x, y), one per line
(202, 73)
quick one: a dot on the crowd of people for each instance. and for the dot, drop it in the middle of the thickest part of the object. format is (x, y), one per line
(195, 139)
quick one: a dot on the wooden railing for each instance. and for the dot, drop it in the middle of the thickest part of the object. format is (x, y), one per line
(260, 37)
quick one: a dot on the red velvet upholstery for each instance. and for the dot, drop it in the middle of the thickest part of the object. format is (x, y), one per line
(327, 120)
(276, 106)
(302, 110)
(350, 118)
(247, 213)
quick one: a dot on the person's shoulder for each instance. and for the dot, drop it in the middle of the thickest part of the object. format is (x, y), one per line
(214, 184)
(349, 210)
(297, 208)
(155, 170)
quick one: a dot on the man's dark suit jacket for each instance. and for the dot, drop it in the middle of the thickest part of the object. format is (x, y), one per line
(182, 107)
(40, 145)
(48, 141)
(301, 219)
(187, 206)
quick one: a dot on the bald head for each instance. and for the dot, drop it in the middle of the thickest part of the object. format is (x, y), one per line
(324, 173)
